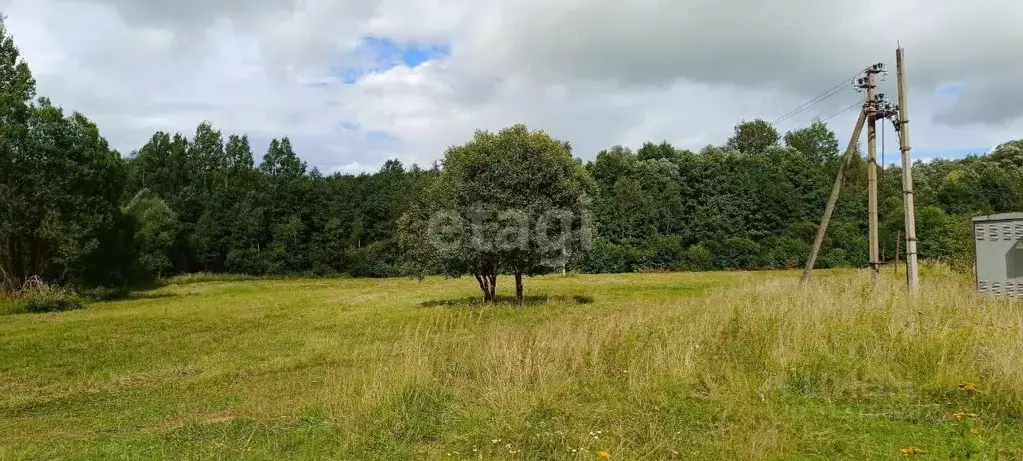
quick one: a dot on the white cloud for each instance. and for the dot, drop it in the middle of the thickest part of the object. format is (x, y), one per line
(595, 72)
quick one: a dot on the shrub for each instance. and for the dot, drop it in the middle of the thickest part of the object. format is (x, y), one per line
(373, 260)
(783, 252)
(49, 298)
(833, 258)
(739, 253)
(246, 261)
(698, 258)
(609, 258)
(857, 251)
(664, 252)
(804, 231)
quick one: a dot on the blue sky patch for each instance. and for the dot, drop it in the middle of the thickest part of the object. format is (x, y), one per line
(951, 89)
(388, 53)
(349, 75)
(381, 53)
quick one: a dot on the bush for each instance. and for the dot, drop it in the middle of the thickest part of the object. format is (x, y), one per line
(246, 261)
(664, 253)
(803, 231)
(739, 253)
(609, 258)
(698, 258)
(833, 258)
(49, 298)
(373, 260)
(783, 252)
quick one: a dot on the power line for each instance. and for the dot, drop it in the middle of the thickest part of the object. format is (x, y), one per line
(799, 109)
(816, 99)
(847, 109)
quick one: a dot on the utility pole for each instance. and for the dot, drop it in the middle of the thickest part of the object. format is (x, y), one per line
(867, 112)
(877, 108)
(869, 83)
(836, 189)
(902, 126)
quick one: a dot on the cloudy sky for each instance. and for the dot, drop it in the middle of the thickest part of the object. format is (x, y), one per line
(354, 82)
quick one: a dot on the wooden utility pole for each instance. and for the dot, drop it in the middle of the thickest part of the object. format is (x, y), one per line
(909, 207)
(836, 189)
(871, 109)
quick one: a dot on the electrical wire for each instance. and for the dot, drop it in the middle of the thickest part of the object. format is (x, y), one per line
(847, 109)
(816, 99)
(799, 109)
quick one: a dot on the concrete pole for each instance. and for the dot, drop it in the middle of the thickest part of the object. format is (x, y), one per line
(912, 271)
(835, 190)
(872, 178)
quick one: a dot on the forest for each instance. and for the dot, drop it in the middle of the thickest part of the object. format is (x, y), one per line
(75, 212)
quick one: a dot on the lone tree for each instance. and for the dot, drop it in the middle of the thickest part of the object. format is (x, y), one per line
(512, 202)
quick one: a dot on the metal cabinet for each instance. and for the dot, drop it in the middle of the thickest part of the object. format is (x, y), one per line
(999, 244)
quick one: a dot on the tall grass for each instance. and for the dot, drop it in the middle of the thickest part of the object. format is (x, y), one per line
(736, 371)
(659, 366)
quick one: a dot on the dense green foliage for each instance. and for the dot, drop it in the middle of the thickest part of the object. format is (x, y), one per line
(49, 298)
(60, 186)
(227, 214)
(75, 212)
(512, 202)
(737, 207)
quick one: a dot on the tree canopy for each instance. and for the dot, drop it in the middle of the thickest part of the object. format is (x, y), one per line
(508, 202)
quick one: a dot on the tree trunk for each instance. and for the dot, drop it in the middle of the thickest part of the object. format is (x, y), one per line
(488, 285)
(482, 281)
(518, 288)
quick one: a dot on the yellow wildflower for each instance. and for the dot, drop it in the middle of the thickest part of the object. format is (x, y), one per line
(911, 451)
(604, 455)
(959, 415)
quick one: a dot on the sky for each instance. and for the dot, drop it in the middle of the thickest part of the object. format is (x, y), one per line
(354, 83)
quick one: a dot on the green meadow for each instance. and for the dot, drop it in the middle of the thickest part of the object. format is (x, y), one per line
(728, 365)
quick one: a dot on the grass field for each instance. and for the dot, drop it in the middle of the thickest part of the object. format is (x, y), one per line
(638, 366)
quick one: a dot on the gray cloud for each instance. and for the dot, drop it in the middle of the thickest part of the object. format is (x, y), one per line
(996, 100)
(596, 73)
(795, 45)
(192, 13)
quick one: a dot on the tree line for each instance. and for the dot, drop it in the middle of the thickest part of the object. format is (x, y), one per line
(755, 203)
(74, 211)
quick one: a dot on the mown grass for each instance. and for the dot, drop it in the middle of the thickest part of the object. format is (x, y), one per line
(639, 366)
